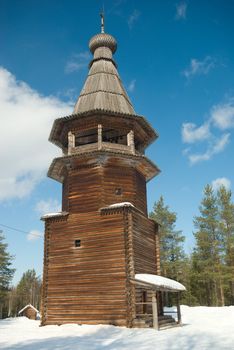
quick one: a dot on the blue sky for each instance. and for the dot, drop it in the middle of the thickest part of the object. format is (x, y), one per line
(176, 60)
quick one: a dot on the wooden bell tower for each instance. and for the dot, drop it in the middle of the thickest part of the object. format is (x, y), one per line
(103, 236)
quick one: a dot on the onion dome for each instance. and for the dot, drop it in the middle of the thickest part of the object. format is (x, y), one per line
(102, 40)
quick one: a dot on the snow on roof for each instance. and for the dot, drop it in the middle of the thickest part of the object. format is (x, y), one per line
(159, 282)
(51, 215)
(29, 305)
(119, 205)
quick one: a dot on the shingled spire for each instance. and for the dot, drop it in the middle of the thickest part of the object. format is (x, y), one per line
(103, 89)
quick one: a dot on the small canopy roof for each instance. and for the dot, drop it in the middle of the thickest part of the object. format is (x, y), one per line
(119, 205)
(26, 307)
(158, 282)
(54, 215)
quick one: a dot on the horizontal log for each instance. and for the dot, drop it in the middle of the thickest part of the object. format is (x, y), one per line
(59, 321)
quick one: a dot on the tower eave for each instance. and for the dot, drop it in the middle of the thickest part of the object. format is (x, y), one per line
(59, 166)
(56, 134)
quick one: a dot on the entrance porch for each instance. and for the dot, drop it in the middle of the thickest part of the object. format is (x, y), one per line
(149, 308)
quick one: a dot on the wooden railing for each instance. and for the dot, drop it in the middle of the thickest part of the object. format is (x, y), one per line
(106, 146)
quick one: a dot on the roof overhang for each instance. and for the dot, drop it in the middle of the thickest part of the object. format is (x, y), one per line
(61, 126)
(58, 215)
(57, 169)
(157, 283)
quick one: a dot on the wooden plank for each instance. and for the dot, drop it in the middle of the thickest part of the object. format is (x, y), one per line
(179, 319)
(155, 311)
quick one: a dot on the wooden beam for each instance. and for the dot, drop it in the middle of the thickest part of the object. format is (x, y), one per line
(130, 140)
(178, 309)
(155, 311)
(99, 136)
(71, 142)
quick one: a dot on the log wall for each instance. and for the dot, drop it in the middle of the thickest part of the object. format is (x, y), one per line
(91, 187)
(30, 313)
(144, 244)
(85, 284)
(85, 189)
(146, 256)
(90, 283)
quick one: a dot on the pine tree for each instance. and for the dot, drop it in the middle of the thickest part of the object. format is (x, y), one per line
(189, 280)
(226, 226)
(207, 256)
(171, 241)
(6, 272)
(28, 291)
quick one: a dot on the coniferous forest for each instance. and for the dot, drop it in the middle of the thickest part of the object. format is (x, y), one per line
(207, 273)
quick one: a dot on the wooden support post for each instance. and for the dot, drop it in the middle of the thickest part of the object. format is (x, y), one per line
(157, 249)
(155, 311)
(178, 309)
(99, 136)
(130, 140)
(71, 142)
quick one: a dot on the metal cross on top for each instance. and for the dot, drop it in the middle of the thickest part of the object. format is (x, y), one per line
(102, 22)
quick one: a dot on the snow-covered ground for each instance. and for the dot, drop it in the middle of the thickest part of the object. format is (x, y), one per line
(203, 328)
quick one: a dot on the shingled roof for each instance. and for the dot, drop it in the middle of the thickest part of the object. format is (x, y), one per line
(103, 88)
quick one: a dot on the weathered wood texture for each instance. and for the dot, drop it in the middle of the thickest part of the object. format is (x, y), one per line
(85, 284)
(65, 202)
(88, 189)
(103, 89)
(91, 283)
(144, 134)
(29, 313)
(146, 258)
(144, 244)
(103, 163)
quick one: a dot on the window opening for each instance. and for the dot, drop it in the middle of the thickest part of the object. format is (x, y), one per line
(77, 243)
(114, 136)
(86, 137)
(118, 191)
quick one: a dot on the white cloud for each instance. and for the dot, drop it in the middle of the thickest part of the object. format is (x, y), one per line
(223, 115)
(221, 181)
(34, 235)
(191, 133)
(133, 18)
(215, 147)
(197, 67)
(27, 118)
(68, 94)
(186, 151)
(116, 4)
(15, 186)
(221, 143)
(48, 206)
(78, 62)
(181, 10)
(131, 86)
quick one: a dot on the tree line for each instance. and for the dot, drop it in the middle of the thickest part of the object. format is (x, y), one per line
(27, 291)
(207, 273)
